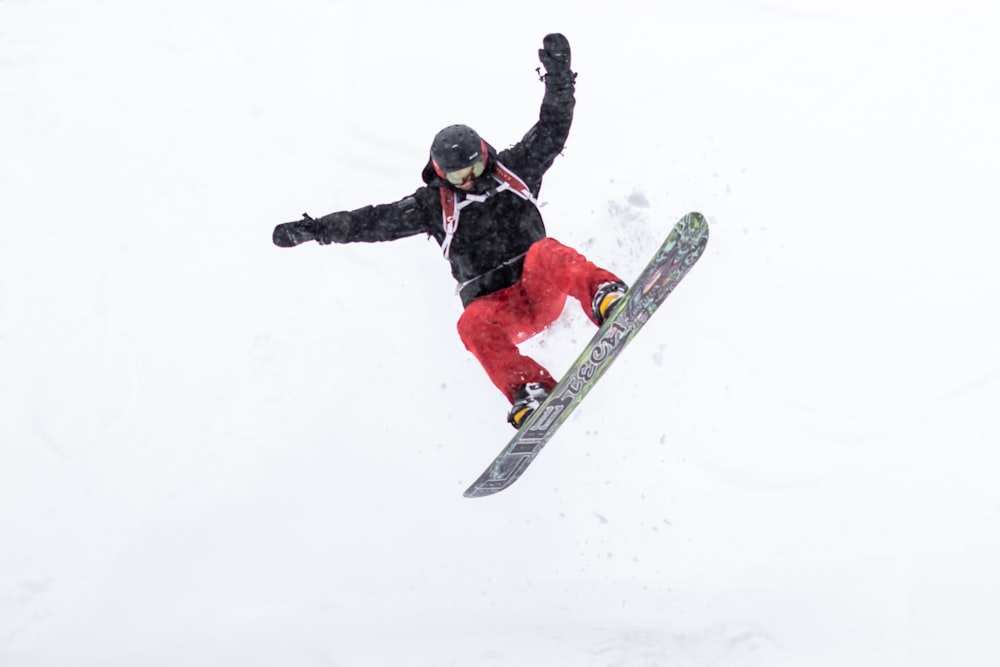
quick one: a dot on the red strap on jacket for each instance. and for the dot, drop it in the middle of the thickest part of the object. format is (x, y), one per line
(450, 209)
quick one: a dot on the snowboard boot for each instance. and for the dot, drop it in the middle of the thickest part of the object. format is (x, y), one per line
(605, 298)
(526, 400)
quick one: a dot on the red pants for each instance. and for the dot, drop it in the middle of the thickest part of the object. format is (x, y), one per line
(492, 326)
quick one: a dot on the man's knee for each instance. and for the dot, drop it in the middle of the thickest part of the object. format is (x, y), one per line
(475, 324)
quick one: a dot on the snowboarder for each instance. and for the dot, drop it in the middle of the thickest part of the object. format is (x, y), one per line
(512, 278)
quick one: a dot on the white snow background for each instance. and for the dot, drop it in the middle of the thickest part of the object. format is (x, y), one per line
(217, 452)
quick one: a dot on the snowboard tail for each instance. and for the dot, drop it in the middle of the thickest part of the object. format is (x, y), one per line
(682, 248)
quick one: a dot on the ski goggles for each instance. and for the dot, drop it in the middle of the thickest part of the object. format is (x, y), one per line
(457, 176)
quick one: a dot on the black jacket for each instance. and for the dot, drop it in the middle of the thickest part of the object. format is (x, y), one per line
(487, 251)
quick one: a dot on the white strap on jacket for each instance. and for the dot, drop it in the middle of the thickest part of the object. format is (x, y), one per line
(451, 209)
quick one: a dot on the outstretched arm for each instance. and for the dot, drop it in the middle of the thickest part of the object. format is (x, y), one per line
(385, 222)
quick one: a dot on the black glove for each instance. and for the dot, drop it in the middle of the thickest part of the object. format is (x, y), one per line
(555, 55)
(325, 230)
(289, 234)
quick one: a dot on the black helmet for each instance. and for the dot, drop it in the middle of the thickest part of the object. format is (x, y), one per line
(457, 147)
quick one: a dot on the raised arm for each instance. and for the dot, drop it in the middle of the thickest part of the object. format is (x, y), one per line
(534, 154)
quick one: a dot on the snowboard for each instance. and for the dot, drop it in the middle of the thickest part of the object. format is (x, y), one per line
(684, 245)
